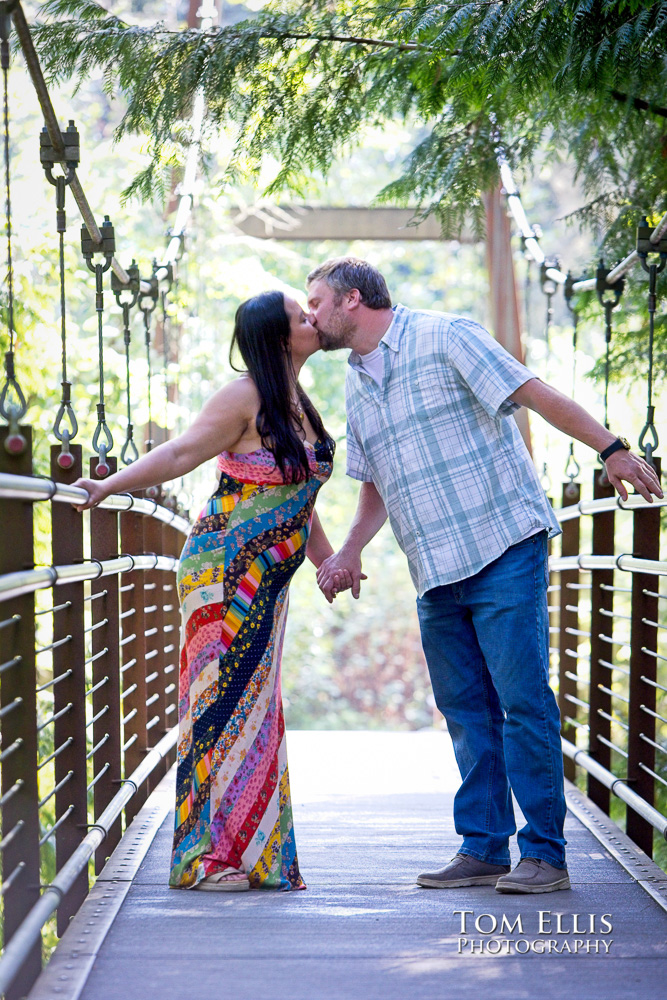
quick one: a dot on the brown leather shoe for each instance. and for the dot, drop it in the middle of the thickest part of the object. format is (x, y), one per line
(534, 875)
(463, 870)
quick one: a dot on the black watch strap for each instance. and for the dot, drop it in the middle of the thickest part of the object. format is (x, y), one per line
(616, 445)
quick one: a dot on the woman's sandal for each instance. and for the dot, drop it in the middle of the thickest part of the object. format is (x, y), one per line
(227, 880)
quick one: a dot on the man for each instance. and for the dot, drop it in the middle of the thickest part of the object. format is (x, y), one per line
(429, 400)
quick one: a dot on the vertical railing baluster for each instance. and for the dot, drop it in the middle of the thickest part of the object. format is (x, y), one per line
(133, 602)
(644, 608)
(106, 671)
(602, 599)
(568, 619)
(155, 661)
(173, 545)
(69, 663)
(18, 722)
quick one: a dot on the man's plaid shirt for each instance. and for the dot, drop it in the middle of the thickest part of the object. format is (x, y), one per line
(440, 444)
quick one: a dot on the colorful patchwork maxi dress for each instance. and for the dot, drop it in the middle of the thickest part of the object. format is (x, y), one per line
(233, 803)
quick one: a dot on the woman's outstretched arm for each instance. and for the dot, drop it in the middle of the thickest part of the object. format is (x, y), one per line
(219, 427)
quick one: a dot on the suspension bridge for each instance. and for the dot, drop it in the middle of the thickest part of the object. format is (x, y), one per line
(90, 776)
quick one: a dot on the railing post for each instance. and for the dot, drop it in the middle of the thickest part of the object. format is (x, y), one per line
(106, 751)
(602, 600)
(69, 663)
(18, 722)
(172, 633)
(133, 645)
(641, 734)
(155, 659)
(569, 618)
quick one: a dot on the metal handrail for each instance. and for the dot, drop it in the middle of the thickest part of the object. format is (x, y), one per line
(634, 502)
(34, 488)
(627, 562)
(617, 786)
(27, 581)
(27, 935)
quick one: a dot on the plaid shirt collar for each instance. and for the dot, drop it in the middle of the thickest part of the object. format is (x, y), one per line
(392, 337)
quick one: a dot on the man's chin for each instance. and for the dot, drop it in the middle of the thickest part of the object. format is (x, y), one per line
(328, 343)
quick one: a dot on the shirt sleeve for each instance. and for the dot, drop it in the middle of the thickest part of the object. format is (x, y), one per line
(357, 464)
(489, 371)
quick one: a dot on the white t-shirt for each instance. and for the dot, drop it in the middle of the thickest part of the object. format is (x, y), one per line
(373, 364)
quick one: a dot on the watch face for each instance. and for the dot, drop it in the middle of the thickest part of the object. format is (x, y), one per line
(626, 444)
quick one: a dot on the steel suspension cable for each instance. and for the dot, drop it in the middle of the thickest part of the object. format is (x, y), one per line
(88, 248)
(646, 246)
(13, 410)
(129, 451)
(602, 287)
(69, 161)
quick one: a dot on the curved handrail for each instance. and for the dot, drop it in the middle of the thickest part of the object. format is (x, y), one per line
(27, 581)
(34, 488)
(28, 932)
(604, 504)
(627, 562)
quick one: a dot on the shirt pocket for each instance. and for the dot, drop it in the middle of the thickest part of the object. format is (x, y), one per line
(425, 396)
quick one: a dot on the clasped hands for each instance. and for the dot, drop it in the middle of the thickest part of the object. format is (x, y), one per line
(341, 571)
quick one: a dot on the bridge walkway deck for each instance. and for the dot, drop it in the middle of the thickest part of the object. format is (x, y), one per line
(371, 811)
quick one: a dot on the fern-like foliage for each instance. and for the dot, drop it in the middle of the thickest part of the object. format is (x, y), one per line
(298, 81)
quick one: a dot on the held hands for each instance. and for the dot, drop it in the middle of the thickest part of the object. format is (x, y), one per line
(341, 571)
(625, 465)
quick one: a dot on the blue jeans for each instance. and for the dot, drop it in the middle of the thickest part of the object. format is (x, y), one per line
(486, 640)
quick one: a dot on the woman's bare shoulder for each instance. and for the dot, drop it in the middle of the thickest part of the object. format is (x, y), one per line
(241, 393)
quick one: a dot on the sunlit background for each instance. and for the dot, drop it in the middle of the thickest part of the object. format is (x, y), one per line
(355, 665)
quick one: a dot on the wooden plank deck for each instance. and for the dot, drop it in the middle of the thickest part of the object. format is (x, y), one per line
(371, 811)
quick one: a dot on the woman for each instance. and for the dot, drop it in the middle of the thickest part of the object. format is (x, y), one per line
(233, 825)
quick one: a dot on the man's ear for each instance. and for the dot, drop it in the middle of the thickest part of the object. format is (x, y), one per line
(353, 298)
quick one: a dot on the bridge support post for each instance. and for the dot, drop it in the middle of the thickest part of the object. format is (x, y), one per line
(602, 600)
(172, 632)
(106, 671)
(18, 722)
(155, 661)
(69, 663)
(133, 656)
(569, 618)
(641, 734)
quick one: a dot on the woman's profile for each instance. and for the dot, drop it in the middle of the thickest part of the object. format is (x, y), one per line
(233, 827)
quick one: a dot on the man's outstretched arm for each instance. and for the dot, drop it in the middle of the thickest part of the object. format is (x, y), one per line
(573, 420)
(368, 520)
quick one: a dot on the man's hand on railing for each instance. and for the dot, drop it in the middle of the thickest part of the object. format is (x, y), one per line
(625, 465)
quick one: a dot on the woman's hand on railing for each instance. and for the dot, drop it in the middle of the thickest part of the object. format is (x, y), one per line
(625, 465)
(97, 491)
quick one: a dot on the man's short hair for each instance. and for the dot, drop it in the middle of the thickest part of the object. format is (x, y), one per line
(345, 273)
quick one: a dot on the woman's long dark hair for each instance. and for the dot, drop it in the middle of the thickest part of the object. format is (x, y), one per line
(261, 333)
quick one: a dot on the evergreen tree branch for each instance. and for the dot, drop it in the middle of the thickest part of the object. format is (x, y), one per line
(639, 103)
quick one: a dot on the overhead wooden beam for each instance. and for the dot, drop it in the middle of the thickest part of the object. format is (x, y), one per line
(303, 222)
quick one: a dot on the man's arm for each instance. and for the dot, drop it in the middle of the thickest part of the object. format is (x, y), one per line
(573, 420)
(370, 516)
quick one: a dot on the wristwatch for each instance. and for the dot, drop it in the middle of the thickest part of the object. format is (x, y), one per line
(616, 445)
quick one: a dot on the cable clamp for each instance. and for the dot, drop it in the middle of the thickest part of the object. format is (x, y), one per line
(99, 566)
(53, 489)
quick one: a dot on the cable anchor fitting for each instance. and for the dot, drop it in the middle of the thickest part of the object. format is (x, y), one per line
(572, 471)
(65, 434)
(645, 246)
(102, 448)
(69, 158)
